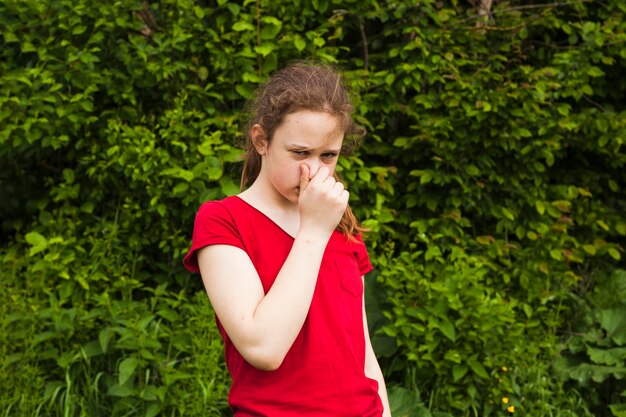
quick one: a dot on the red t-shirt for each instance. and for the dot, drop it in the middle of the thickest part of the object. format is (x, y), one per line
(323, 372)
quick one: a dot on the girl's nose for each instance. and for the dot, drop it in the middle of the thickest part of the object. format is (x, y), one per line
(314, 166)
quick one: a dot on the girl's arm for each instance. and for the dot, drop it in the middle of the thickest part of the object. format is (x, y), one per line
(372, 368)
(264, 326)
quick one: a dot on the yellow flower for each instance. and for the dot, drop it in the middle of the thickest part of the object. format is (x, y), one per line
(504, 369)
(510, 409)
(505, 400)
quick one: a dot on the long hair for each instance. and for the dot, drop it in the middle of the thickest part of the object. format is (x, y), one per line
(300, 86)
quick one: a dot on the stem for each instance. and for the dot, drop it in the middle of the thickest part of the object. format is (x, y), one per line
(258, 34)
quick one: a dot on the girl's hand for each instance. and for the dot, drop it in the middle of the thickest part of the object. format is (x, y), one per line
(322, 200)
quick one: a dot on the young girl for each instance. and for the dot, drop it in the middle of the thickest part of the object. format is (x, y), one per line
(283, 262)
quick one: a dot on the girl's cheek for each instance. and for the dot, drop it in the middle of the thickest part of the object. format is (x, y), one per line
(294, 170)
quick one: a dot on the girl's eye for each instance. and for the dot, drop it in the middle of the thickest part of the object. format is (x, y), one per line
(329, 155)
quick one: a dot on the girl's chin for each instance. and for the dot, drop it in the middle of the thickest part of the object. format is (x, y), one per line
(291, 196)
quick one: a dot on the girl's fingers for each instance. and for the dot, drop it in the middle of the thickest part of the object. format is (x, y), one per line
(305, 171)
(338, 187)
(322, 175)
(345, 196)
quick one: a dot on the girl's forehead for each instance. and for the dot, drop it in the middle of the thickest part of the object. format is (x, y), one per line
(320, 124)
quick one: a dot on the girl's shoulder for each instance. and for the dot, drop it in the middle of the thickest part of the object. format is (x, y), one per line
(215, 223)
(226, 207)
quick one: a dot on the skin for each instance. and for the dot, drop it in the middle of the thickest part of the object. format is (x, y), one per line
(296, 189)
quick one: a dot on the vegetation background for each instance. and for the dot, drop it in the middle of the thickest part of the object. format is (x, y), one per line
(492, 180)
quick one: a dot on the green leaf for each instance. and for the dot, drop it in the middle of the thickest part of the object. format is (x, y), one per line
(127, 369)
(540, 206)
(458, 372)
(618, 410)
(589, 27)
(447, 328)
(92, 349)
(265, 49)
(406, 403)
(203, 73)
(472, 170)
(508, 214)
(556, 254)
(178, 173)
(243, 26)
(68, 175)
(478, 368)
(613, 320)
(602, 224)
(79, 30)
(153, 409)
(121, 391)
(199, 12)
(10, 37)
(595, 72)
(613, 356)
(563, 109)
(103, 338)
(232, 7)
(244, 90)
(180, 188)
(528, 310)
(590, 249)
(38, 242)
(270, 27)
(87, 207)
(28, 47)
(365, 176)
(228, 186)
(615, 254)
(299, 43)
(453, 356)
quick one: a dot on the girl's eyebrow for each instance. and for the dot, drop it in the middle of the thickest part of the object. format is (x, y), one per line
(304, 147)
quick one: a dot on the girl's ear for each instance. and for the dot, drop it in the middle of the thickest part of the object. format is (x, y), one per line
(260, 142)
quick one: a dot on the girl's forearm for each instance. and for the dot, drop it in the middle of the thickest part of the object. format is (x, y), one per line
(279, 316)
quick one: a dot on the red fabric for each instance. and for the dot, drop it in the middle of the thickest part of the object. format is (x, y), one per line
(323, 372)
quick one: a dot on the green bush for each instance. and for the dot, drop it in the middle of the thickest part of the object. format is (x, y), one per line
(491, 180)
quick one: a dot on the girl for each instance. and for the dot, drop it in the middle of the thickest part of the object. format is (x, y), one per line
(283, 262)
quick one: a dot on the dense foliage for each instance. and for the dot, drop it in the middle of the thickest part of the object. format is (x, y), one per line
(491, 180)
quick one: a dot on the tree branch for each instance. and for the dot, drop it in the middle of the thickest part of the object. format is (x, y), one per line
(366, 56)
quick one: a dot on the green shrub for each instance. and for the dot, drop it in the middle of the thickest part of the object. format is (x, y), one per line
(491, 181)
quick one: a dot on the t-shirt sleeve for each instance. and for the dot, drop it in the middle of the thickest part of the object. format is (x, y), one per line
(213, 225)
(360, 251)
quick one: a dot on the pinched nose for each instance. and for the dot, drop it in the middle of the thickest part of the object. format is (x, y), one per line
(314, 166)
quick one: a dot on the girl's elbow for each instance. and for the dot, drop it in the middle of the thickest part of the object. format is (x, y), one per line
(267, 365)
(264, 359)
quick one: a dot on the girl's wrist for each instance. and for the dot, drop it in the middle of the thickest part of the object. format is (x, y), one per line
(313, 236)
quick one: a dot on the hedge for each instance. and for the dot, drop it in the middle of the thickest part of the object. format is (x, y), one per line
(491, 181)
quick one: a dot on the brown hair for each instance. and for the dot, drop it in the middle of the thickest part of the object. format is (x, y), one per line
(300, 86)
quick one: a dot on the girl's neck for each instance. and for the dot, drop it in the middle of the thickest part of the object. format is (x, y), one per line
(280, 210)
